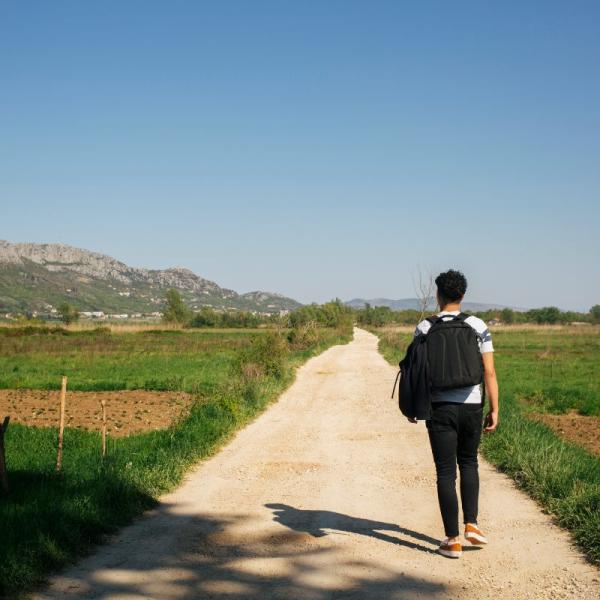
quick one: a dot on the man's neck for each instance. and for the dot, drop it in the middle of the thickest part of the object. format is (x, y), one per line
(451, 307)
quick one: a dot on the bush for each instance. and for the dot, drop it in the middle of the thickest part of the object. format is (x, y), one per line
(331, 314)
(68, 314)
(375, 316)
(205, 317)
(304, 336)
(269, 351)
(208, 317)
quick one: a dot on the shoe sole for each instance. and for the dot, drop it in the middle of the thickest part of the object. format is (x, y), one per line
(450, 553)
(476, 539)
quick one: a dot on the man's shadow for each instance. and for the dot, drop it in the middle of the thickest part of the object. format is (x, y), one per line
(314, 522)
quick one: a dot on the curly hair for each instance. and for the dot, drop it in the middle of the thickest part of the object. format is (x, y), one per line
(451, 285)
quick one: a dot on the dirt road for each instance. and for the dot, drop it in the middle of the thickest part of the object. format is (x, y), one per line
(329, 494)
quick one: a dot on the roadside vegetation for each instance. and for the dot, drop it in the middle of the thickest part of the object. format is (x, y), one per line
(176, 311)
(330, 314)
(542, 370)
(378, 316)
(50, 518)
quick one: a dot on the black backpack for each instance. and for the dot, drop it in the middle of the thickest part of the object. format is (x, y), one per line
(445, 358)
(453, 354)
(414, 389)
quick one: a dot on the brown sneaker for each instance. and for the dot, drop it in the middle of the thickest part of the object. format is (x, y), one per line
(450, 550)
(474, 535)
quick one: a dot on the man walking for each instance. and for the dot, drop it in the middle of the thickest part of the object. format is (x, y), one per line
(455, 423)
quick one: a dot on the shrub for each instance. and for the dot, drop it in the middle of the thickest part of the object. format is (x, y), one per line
(209, 317)
(251, 371)
(205, 317)
(331, 314)
(304, 336)
(68, 314)
(268, 351)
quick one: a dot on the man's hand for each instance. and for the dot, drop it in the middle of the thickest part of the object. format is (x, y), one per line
(491, 422)
(411, 419)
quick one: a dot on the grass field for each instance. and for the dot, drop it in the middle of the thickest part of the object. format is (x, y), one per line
(192, 361)
(49, 519)
(551, 370)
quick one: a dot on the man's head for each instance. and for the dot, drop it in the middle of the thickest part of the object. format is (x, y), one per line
(451, 287)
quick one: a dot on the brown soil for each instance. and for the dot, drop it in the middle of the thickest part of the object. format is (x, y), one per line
(575, 428)
(127, 411)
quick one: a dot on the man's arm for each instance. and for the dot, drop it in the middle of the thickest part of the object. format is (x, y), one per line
(491, 388)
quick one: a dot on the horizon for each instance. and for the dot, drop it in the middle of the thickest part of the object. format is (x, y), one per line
(316, 151)
(347, 300)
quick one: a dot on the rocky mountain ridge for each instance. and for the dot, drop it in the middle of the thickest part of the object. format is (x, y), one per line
(35, 276)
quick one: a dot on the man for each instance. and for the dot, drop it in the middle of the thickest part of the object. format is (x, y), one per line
(456, 421)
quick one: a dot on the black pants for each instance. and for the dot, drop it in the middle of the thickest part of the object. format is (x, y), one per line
(454, 432)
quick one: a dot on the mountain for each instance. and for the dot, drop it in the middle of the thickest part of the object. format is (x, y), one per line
(39, 277)
(414, 304)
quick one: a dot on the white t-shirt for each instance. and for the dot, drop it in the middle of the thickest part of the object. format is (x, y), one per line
(470, 394)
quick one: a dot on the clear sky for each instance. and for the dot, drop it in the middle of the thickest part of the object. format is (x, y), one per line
(317, 149)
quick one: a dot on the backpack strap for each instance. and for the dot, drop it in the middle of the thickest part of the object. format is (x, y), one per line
(395, 383)
(442, 318)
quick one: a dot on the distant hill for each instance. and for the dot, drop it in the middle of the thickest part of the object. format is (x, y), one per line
(413, 304)
(39, 277)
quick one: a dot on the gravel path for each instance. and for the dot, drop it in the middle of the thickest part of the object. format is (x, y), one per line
(329, 494)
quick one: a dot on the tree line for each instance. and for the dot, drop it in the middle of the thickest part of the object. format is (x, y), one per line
(337, 314)
(378, 316)
(331, 314)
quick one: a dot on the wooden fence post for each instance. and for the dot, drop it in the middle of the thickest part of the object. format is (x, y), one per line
(3, 474)
(103, 403)
(61, 427)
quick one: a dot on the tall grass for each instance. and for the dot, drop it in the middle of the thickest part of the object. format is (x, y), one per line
(542, 365)
(49, 519)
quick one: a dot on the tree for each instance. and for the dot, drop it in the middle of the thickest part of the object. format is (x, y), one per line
(68, 314)
(376, 317)
(548, 314)
(595, 312)
(551, 314)
(508, 316)
(175, 310)
(206, 317)
(424, 291)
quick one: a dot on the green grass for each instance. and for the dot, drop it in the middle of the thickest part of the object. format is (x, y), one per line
(552, 370)
(191, 361)
(49, 519)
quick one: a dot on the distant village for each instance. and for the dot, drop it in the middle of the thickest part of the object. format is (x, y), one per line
(50, 312)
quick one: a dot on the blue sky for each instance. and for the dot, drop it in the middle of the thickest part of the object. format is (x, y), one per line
(317, 149)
